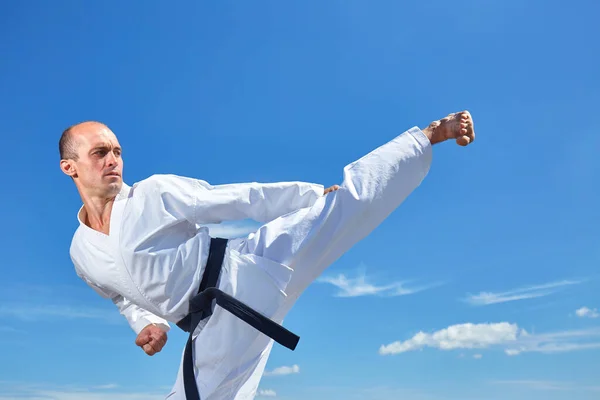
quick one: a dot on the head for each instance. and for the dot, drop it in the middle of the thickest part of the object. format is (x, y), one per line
(91, 154)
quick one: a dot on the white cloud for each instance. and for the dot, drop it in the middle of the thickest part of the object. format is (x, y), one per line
(266, 393)
(477, 356)
(529, 292)
(294, 369)
(585, 312)
(360, 286)
(462, 336)
(513, 339)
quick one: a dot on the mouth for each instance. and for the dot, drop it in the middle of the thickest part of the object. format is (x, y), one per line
(115, 174)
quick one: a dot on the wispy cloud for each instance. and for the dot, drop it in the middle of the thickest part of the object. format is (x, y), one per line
(475, 356)
(85, 395)
(523, 293)
(510, 337)
(107, 386)
(533, 384)
(45, 312)
(386, 392)
(361, 286)
(546, 385)
(266, 393)
(10, 329)
(585, 312)
(294, 369)
(557, 342)
(402, 391)
(40, 391)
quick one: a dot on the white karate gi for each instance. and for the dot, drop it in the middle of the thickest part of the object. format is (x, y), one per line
(152, 261)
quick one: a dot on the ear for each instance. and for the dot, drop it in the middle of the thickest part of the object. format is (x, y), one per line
(68, 167)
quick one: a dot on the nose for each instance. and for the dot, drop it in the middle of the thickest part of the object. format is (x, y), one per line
(111, 158)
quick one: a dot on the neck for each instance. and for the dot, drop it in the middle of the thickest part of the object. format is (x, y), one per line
(97, 211)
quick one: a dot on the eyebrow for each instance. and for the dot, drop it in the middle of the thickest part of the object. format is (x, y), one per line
(104, 147)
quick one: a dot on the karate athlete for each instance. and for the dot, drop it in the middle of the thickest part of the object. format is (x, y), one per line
(145, 247)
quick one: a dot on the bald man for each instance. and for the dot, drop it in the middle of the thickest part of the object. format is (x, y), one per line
(145, 247)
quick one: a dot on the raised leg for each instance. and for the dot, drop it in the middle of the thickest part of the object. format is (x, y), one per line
(231, 356)
(311, 239)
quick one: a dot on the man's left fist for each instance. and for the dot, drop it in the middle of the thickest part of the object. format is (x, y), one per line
(151, 339)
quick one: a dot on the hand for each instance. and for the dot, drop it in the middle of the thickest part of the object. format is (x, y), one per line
(457, 126)
(151, 339)
(330, 189)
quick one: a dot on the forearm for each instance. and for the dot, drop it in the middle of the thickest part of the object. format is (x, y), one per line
(137, 317)
(261, 202)
(265, 202)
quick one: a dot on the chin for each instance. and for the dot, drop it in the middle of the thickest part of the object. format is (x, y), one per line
(115, 188)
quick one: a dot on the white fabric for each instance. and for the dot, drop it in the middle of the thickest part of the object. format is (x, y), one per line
(152, 261)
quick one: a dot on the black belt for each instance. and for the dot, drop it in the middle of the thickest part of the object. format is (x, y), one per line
(201, 308)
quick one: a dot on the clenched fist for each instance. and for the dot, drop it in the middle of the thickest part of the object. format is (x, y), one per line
(331, 189)
(457, 126)
(151, 339)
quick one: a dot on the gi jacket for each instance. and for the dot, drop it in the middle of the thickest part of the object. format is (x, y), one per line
(151, 262)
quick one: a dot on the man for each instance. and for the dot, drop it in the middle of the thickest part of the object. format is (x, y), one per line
(145, 248)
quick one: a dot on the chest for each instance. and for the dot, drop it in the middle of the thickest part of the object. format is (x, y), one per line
(98, 257)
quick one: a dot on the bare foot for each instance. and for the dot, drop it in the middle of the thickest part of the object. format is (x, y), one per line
(458, 126)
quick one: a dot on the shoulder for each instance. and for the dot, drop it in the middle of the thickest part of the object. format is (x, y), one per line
(157, 201)
(167, 183)
(158, 180)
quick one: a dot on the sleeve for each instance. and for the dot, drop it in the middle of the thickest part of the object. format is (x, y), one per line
(137, 317)
(202, 203)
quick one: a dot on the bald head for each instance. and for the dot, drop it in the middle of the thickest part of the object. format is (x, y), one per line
(67, 145)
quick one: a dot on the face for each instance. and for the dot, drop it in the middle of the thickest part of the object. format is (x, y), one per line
(99, 168)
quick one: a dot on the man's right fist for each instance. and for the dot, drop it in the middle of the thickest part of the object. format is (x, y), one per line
(151, 339)
(457, 126)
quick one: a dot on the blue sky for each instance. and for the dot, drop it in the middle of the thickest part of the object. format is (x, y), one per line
(496, 254)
